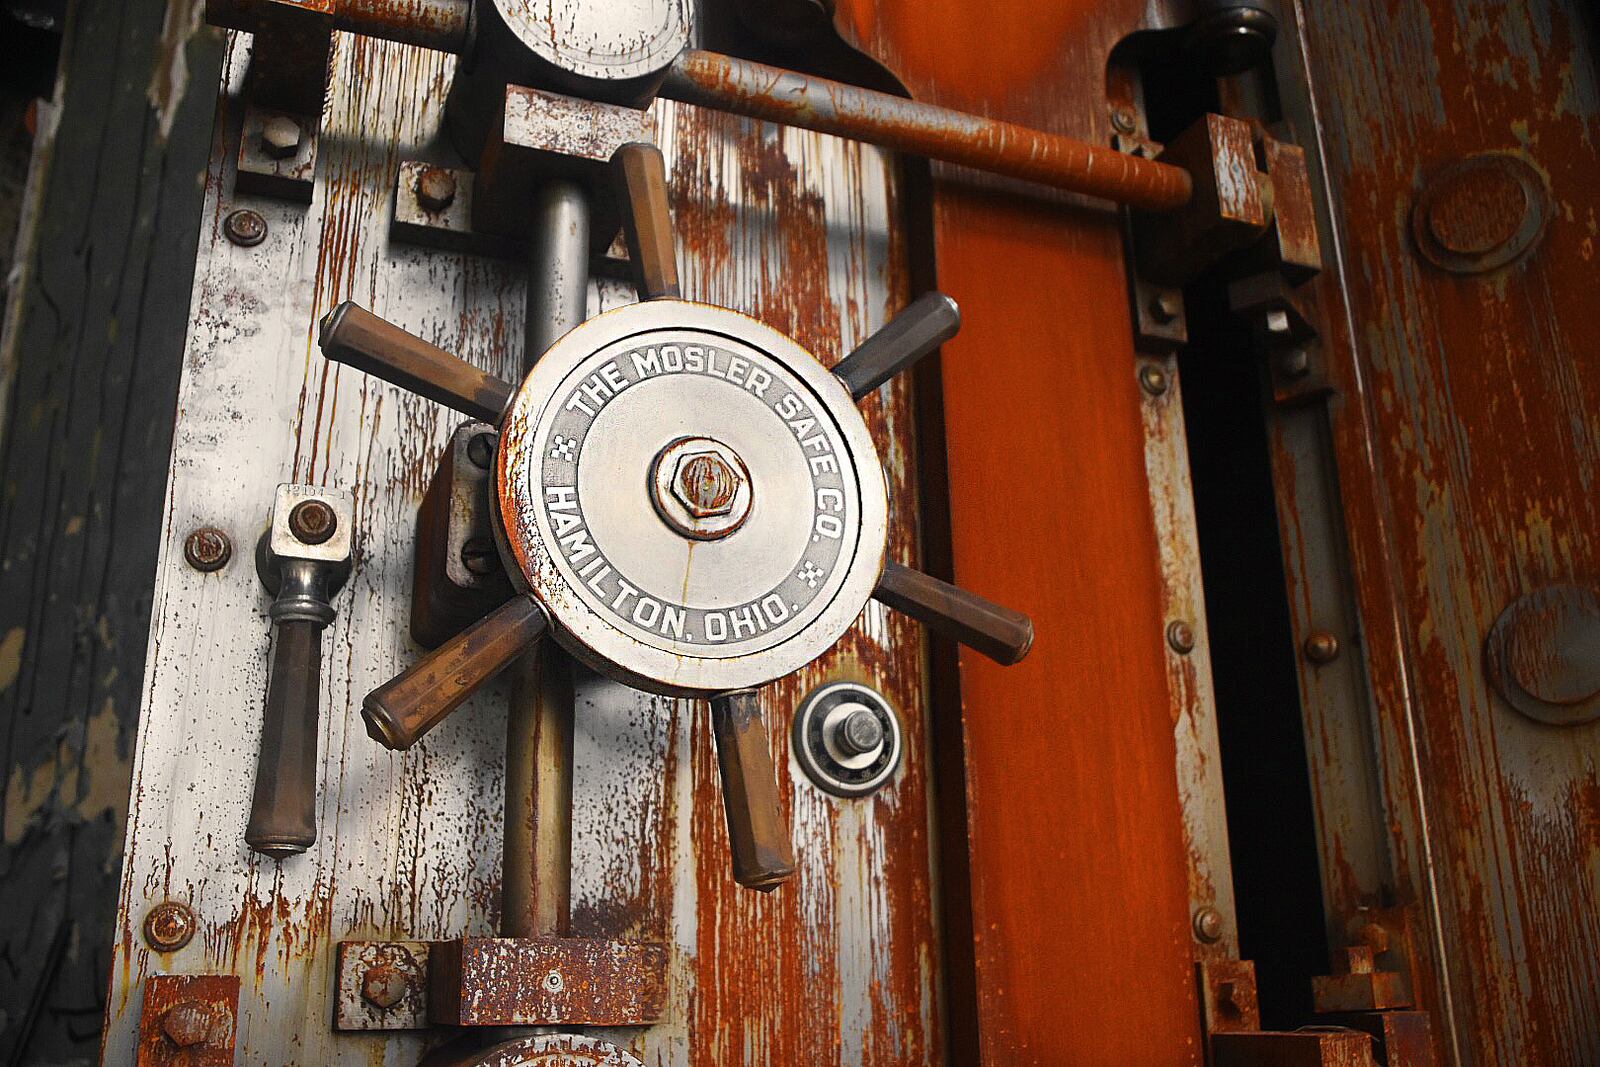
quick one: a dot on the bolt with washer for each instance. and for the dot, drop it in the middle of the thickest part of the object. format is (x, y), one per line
(245, 228)
(207, 549)
(169, 926)
(1153, 379)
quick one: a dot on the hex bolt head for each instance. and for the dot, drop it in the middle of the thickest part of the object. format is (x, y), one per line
(312, 522)
(480, 449)
(706, 484)
(1153, 379)
(1208, 925)
(280, 136)
(207, 549)
(1322, 647)
(384, 985)
(1294, 363)
(436, 188)
(1180, 636)
(1277, 323)
(479, 556)
(169, 926)
(187, 1023)
(245, 228)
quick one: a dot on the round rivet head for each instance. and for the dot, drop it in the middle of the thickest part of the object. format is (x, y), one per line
(1180, 637)
(384, 985)
(1322, 647)
(1208, 925)
(207, 549)
(187, 1023)
(169, 926)
(1480, 213)
(436, 188)
(312, 522)
(245, 228)
(1153, 379)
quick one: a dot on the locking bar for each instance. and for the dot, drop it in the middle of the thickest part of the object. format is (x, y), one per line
(742, 87)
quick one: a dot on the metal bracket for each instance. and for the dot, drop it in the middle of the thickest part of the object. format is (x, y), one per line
(458, 578)
(189, 1019)
(381, 985)
(1228, 1001)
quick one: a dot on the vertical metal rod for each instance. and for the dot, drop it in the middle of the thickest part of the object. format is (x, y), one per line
(536, 879)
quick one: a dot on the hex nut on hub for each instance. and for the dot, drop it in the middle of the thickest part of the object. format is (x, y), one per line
(701, 488)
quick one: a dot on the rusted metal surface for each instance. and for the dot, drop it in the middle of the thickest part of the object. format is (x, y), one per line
(1303, 1048)
(489, 981)
(1399, 1038)
(1291, 245)
(1464, 433)
(1230, 206)
(843, 965)
(776, 95)
(1358, 984)
(169, 926)
(381, 985)
(1543, 655)
(188, 1020)
(1480, 213)
(435, 24)
(1096, 858)
(544, 1050)
(1228, 998)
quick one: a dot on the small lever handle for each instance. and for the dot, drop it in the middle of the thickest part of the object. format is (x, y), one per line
(355, 336)
(647, 224)
(303, 559)
(403, 709)
(926, 323)
(1000, 633)
(758, 835)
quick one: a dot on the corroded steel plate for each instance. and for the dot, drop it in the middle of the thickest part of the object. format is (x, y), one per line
(694, 499)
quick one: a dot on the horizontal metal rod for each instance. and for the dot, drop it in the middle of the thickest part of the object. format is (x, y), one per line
(437, 24)
(716, 81)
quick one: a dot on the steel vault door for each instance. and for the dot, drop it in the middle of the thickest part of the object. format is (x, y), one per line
(843, 965)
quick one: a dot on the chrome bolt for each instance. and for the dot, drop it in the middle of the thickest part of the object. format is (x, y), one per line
(436, 188)
(245, 228)
(1322, 647)
(1153, 379)
(1208, 925)
(1180, 637)
(169, 926)
(280, 136)
(706, 484)
(384, 985)
(207, 549)
(859, 733)
(480, 449)
(478, 555)
(187, 1023)
(312, 522)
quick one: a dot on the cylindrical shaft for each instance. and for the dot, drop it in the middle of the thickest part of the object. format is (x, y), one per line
(758, 834)
(536, 885)
(708, 79)
(558, 266)
(283, 815)
(403, 709)
(1000, 633)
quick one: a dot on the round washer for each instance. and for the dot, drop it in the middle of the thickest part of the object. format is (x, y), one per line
(820, 742)
(631, 592)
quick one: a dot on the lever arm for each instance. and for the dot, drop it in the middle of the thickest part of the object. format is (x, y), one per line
(926, 323)
(355, 336)
(1000, 633)
(407, 706)
(641, 176)
(758, 834)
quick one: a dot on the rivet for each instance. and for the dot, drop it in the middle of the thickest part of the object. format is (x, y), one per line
(1322, 647)
(1208, 925)
(480, 449)
(1153, 379)
(554, 983)
(245, 228)
(436, 188)
(207, 549)
(1180, 636)
(312, 522)
(1165, 306)
(187, 1023)
(169, 926)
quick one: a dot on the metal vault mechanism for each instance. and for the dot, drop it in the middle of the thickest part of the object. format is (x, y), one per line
(681, 498)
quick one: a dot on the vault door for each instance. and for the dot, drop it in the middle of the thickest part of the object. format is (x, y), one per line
(842, 965)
